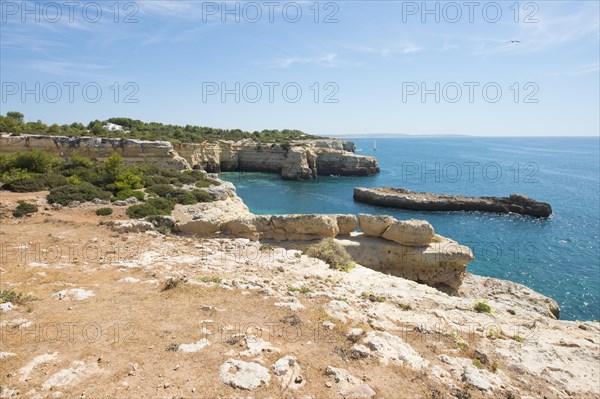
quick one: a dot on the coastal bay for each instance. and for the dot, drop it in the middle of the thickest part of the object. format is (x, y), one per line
(557, 257)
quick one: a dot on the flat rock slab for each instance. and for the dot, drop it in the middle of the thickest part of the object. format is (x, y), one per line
(406, 199)
(244, 375)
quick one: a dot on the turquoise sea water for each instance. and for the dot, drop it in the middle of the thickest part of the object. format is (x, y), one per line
(559, 256)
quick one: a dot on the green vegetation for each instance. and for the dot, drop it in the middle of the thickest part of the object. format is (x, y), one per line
(477, 363)
(14, 123)
(495, 365)
(64, 195)
(128, 193)
(303, 290)
(174, 347)
(372, 297)
(154, 206)
(24, 208)
(104, 211)
(81, 179)
(518, 338)
(482, 307)
(16, 298)
(404, 306)
(333, 254)
(211, 279)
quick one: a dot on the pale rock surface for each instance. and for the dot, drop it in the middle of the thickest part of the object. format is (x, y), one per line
(129, 226)
(288, 372)
(77, 294)
(256, 346)
(392, 349)
(410, 232)
(349, 386)
(195, 347)
(374, 225)
(346, 223)
(244, 375)
(73, 375)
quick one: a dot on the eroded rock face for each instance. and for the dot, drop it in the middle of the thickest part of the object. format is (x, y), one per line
(441, 264)
(289, 227)
(302, 227)
(374, 225)
(406, 199)
(407, 249)
(346, 223)
(301, 160)
(208, 217)
(409, 232)
(158, 153)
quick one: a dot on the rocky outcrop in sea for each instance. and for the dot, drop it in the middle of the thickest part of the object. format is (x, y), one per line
(406, 199)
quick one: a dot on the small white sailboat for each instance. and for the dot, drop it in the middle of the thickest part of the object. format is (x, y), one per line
(374, 145)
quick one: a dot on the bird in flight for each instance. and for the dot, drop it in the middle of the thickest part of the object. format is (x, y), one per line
(513, 41)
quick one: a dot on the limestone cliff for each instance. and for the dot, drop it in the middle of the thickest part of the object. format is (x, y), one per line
(300, 160)
(159, 153)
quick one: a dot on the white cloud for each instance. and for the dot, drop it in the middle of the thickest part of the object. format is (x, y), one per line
(327, 60)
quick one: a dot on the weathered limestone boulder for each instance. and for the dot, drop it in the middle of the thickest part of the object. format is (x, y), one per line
(374, 225)
(409, 232)
(346, 223)
(289, 227)
(221, 192)
(302, 227)
(208, 217)
(441, 264)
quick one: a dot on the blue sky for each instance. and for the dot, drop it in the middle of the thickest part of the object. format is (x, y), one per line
(361, 65)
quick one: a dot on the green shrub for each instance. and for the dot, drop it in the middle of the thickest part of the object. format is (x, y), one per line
(91, 175)
(80, 160)
(162, 190)
(482, 307)
(24, 208)
(180, 196)
(153, 180)
(211, 279)
(36, 183)
(73, 179)
(202, 196)
(207, 182)
(27, 184)
(130, 178)
(55, 180)
(10, 175)
(154, 206)
(303, 290)
(83, 192)
(104, 211)
(333, 254)
(185, 197)
(15, 297)
(128, 193)
(35, 161)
